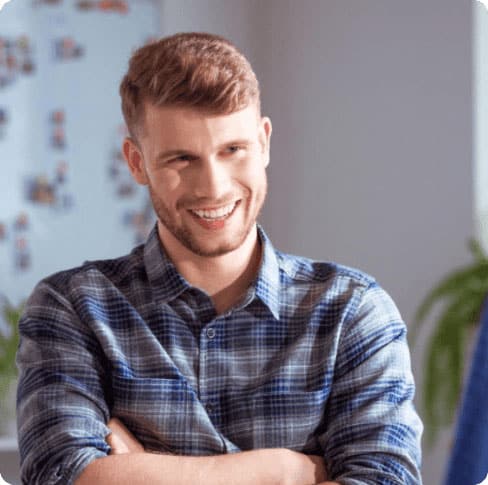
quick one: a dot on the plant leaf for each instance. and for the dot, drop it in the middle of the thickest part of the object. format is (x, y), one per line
(474, 276)
(476, 250)
(9, 343)
(445, 363)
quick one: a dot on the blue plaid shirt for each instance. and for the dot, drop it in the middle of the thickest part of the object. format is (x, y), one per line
(313, 358)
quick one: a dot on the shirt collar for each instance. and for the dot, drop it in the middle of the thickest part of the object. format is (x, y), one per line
(267, 284)
(167, 283)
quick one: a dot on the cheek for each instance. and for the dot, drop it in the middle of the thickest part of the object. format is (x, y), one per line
(256, 178)
(253, 171)
(168, 184)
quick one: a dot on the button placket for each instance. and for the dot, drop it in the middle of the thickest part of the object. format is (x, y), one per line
(208, 341)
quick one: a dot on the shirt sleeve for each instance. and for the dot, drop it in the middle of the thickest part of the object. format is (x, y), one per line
(61, 406)
(372, 429)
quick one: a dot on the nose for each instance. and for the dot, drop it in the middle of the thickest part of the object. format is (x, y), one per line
(212, 179)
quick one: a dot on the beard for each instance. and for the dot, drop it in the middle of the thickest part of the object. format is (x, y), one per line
(191, 241)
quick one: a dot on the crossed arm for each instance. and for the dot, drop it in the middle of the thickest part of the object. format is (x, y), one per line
(372, 432)
(130, 463)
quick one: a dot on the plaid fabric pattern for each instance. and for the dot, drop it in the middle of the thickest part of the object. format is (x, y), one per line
(313, 358)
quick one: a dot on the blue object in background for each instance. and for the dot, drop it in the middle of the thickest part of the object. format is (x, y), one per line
(468, 464)
(60, 123)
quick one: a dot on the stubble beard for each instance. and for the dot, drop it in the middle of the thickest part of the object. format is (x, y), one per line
(187, 239)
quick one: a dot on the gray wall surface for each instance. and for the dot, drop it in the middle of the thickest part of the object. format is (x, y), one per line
(371, 160)
(371, 155)
(9, 466)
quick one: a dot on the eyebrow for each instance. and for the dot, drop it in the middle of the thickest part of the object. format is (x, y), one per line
(181, 151)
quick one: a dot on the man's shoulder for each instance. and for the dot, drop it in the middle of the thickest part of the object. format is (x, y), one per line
(111, 272)
(301, 268)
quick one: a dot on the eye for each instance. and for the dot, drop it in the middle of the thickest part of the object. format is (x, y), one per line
(180, 158)
(232, 149)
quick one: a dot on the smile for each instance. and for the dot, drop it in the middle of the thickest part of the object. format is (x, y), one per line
(216, 214)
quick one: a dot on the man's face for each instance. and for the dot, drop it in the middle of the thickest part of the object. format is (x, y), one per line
(205, 173)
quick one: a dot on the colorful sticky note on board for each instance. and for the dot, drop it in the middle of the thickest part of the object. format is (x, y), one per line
(48, 2)
(16, 57)
(57, 116)
(66, 48)
(3, 121)
(61, 172)
(40, 190)
(22, 254)
(105, 6)
(120, 6)
(86, 5)
(21, 222)
(58, 138)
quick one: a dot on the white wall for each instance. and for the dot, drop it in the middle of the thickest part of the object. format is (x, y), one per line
(372, 145)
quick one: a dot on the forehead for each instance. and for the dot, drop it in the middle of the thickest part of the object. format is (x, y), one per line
(183, 126)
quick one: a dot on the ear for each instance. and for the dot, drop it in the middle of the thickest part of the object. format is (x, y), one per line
(135, 160)
(264, 138)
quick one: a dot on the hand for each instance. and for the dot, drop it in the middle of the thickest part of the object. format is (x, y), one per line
(318, 466)
(300, 469)
(121, 440)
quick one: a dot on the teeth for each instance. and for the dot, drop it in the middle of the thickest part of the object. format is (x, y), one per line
(215, 213)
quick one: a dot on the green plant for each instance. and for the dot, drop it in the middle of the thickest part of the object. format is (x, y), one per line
(461, 294)
(9, 338)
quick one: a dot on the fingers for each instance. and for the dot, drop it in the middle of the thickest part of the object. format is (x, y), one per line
(117, 445)
(121, 440)
(320, 471)
(311, 469)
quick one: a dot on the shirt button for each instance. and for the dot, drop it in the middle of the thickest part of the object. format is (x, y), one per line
(211, 332)
(209, 408)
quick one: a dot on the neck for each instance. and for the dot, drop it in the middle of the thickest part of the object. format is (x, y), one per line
(224, 278)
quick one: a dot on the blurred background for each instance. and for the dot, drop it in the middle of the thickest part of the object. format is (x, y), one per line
(376, 156)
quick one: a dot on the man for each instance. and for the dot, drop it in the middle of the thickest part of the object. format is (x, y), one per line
(206, 356)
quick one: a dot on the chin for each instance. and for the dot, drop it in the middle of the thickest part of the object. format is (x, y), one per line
(210, 250)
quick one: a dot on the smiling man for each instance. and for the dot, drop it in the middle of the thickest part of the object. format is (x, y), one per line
(206, 176)
(206, 356)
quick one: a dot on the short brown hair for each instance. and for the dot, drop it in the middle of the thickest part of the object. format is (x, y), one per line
(198, 70)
